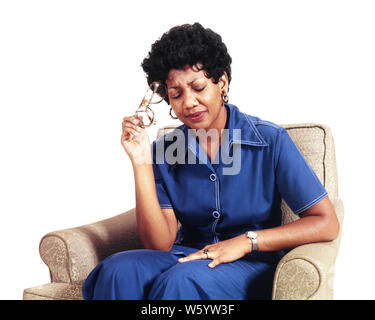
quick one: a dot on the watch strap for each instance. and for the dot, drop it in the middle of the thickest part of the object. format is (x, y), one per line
(253, 236)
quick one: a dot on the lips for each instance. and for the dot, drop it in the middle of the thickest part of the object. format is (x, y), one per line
(196, 116)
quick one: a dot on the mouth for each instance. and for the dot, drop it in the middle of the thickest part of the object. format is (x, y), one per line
(197, 116)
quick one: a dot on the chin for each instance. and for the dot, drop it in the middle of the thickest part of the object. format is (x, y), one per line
(196, 126)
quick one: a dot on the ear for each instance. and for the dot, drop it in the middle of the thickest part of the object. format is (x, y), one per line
(224, 83)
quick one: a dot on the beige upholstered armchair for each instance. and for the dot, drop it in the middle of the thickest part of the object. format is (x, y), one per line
(306, 272)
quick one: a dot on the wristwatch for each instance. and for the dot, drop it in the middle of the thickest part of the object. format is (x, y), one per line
(253, 236)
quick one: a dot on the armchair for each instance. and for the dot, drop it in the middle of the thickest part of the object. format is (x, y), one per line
(305, 272)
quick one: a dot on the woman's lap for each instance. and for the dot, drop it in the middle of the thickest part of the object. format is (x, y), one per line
(127, 274)
(157, 275)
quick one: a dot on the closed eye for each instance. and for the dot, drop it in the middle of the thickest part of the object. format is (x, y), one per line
(175, 96)
(199, 89)
(178, 94)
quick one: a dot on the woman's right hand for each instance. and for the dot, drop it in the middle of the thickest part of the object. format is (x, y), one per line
(135, 140)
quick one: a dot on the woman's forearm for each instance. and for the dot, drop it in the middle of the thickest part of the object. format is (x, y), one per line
(302, 231)
(319, 223)
(152, 224)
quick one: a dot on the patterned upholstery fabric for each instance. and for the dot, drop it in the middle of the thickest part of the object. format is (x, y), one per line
(306, 272)
(54, 291)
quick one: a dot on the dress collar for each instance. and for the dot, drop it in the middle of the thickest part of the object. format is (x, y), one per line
(241, 130)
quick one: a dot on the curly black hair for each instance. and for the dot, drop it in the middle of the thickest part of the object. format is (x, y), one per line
(187, 45)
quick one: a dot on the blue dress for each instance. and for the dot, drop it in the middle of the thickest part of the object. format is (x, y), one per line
(240, 190)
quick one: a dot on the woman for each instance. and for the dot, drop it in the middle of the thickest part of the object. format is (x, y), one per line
(231, 237)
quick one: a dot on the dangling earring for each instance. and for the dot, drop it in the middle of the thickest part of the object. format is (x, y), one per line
(172, 116)
(224, 96)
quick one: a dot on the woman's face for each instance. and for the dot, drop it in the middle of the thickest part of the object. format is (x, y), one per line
(195, 99)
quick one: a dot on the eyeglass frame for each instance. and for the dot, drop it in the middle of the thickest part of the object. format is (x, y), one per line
(145, 104)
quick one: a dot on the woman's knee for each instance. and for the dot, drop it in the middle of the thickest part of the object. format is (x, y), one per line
(126, 274)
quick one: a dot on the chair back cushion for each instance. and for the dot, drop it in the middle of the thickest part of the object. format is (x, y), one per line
(316, 143)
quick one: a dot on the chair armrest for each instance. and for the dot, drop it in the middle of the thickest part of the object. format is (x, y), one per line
(71, 254)
(306, 272)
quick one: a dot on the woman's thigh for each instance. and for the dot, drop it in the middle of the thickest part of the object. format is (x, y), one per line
(127, 274)
(153, 274)
(241, 279)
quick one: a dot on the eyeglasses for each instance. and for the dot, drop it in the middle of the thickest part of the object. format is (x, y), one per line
(155, 93)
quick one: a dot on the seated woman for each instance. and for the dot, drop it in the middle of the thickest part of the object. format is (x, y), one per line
(231, 237)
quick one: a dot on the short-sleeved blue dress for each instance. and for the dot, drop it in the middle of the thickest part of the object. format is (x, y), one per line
(240, 190)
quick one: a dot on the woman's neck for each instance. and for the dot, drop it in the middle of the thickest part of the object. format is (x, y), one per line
(210, 138)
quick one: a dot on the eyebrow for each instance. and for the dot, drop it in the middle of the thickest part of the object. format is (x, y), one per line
(190, 83)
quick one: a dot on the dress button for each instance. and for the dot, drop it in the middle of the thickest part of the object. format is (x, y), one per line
(212, 177)
(216, 214)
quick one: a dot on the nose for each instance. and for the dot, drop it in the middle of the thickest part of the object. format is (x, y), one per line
(190, 100)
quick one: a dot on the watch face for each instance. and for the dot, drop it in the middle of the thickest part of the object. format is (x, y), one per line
(252, 234)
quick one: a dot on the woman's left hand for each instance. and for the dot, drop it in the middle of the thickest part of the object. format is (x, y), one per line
(223, 251)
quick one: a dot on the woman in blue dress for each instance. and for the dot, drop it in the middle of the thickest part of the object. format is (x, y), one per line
(222, 175)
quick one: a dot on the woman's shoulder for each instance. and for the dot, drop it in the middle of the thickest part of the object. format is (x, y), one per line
(262, 124)
(267, 130)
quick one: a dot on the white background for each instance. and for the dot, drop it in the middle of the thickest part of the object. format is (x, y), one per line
(70, 71)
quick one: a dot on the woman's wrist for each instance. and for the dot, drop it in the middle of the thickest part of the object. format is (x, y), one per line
(247, 244)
